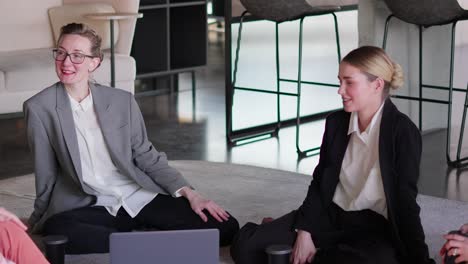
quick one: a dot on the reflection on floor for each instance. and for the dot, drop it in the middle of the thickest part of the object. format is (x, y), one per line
(182, 133)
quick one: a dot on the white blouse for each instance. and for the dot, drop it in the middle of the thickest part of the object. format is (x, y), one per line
(360, 186)
(114, 189)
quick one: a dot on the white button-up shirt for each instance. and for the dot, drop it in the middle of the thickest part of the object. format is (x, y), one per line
(360, 186)
(98, 170)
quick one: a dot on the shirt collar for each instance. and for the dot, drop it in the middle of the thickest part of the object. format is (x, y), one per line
(84, 105)
(354, 122)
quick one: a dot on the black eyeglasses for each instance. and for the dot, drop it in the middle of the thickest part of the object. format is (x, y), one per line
(75, 57)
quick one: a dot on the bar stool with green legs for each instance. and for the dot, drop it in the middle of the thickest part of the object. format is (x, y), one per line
(427, 13)
(280, 11)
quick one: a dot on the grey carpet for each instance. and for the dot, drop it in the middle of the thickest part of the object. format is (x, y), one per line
(249, 193)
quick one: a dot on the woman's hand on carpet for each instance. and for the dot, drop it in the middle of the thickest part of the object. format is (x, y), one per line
(8, 216)
(456, 245)
(304, 249)
(199, 203)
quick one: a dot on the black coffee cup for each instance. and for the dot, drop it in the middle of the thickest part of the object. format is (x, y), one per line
(55, 248)
(278, 254)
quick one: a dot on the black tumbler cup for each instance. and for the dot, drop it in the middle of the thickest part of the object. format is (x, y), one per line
(278, 254)
(55, 249)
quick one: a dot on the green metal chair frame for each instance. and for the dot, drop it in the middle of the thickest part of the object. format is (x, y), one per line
(462, 162)
(458, 161)
(274, 132)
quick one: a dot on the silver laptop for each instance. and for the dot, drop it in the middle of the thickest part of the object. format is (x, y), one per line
(165, 247)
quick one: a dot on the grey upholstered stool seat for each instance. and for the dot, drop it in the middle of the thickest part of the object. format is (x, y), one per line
(280, 10)
(427, 13)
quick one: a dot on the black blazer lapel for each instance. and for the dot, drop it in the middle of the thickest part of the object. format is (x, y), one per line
(337, 149)
(342, 140)
(387, 161)
(386, 152)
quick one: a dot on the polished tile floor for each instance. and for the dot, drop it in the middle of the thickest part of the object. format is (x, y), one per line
(187, 131)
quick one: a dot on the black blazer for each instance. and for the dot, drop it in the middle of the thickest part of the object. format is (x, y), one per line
(399, 156)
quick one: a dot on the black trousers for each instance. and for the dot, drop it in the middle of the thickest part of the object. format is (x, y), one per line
(349, 237)
(88, 228)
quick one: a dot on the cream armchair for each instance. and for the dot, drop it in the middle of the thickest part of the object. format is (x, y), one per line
(27, 38)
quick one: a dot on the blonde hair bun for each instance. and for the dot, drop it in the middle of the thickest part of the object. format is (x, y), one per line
(376, 62)
(397, 79)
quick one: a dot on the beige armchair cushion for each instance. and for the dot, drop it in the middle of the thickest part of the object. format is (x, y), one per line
(24, 73)
(65, 14)
(126, 26)
(38, 65)
(24, 24)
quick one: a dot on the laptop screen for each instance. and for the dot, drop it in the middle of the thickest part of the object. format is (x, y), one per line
(167, 247)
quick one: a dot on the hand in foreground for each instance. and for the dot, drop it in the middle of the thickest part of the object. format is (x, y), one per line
(7, 216)
(464, 228)
(304, 249)
(198, 204)
(456, 245)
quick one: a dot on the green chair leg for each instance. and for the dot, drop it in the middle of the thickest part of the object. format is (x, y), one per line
(256, 133)
(278, 83)
(458, 161)
(261, 132)
(314, 150)
(462, 128)
(449, 118)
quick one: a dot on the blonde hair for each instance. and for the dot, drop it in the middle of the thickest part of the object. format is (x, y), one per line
(374, 62)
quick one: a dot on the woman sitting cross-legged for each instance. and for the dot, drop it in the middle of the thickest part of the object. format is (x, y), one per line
(96, 171)
(361, 204)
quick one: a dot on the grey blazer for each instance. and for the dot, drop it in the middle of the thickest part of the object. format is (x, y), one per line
(53, 142)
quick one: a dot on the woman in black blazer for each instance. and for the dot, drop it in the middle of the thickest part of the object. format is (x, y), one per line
(361, 204)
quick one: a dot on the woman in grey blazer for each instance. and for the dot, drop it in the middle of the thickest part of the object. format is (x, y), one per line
(96, 171)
